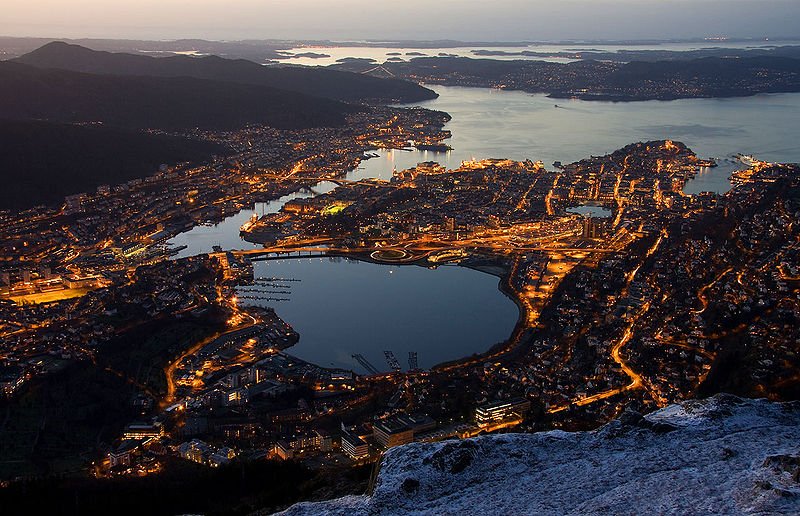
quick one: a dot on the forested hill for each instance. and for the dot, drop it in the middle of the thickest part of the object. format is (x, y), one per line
(707, 77)
(315, 81)
(173, 103)
(41, 162)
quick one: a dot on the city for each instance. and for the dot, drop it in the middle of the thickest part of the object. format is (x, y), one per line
(594, 331)
(159, 348)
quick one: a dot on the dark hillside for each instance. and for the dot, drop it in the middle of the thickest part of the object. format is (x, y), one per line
(41, 162)
(317, 82)
(137, 102)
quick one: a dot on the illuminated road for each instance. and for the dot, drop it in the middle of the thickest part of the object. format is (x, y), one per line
(701, 294)
(169, 371)
(291, 177)
(636, 382)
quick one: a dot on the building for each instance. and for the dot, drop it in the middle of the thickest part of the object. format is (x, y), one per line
(392, 432)
(121, 455)
(284, 450)
(78, 281)
(401, 429)
(144, 431)
(301, 206)
(74, 203)
(132, 249)
(354, 446)
(304, 441)
(325, 440)
(419, 423)
(195, 451)
(499, 411)
(593, 227)
(235, 397)
(221, 457)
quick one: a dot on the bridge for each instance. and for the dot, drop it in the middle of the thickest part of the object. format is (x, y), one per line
(292, 254)
(379, 68)
(412, 253)
(335, 180)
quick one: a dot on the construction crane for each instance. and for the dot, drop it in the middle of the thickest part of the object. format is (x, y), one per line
(412, 360)
(365, 364)
(391, 360)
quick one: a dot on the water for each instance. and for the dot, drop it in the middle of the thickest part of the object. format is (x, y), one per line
(591, 210)
(503, 124)
(202, 239)
(342, 307)
(382, 54)
(713, 179)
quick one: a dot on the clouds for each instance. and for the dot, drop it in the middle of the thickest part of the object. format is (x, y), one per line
(412, 19)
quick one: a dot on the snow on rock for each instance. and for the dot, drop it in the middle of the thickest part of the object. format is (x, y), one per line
(722, 455)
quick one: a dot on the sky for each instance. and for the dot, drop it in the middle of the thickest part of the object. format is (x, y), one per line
(466, 20)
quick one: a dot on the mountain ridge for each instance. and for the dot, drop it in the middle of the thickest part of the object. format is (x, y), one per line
(316, 82)
(172, 103)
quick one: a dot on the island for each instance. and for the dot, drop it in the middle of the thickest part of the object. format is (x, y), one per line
(627, 78)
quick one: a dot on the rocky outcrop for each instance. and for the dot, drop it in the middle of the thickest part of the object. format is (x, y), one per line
(722, 455)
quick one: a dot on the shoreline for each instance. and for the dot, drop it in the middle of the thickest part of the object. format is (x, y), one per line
(502, 347)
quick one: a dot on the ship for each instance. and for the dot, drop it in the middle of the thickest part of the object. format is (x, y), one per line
(434, 147)
(247, 226)
(706, 163)
(747, 159)
(176, 250)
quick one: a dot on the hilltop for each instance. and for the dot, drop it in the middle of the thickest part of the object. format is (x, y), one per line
(722, 455)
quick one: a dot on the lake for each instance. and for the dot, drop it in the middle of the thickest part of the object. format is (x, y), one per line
(342, 307)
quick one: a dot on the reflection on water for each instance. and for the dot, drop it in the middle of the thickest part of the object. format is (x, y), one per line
(517, 125)
(591, 211)
(202, 239)
(501, 124)
(343, 307)
(328, 55)
(714, 179)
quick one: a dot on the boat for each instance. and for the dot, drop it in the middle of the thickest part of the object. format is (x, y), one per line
(434, 147)
(747, 159)
(247, 226)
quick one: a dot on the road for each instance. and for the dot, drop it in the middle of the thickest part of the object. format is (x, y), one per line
(169, 371)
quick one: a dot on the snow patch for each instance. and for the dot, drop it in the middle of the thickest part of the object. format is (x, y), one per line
(722, 455)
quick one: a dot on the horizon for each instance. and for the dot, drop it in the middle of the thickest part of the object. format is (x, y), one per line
(356, 20)
(403, 42)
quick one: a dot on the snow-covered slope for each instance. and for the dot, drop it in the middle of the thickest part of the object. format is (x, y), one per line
(722, 455)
